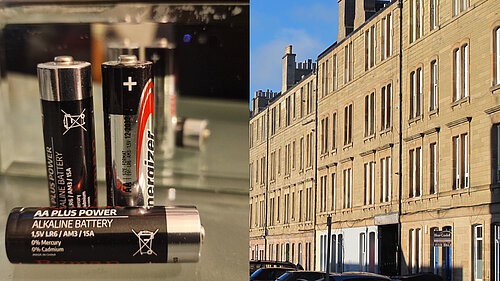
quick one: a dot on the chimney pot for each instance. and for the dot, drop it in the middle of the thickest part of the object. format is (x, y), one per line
(288, 49)
(300, 65)
(309, 63)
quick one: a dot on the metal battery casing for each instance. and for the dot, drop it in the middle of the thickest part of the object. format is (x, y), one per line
(104, 235)
(162, 54)
(68, 127)
(128, 130)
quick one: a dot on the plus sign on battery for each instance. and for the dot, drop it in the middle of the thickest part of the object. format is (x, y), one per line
(129, 84)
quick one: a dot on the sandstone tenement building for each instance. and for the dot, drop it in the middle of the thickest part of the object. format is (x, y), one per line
(394, 133)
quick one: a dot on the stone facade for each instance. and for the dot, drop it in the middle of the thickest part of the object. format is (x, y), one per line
(405, 147)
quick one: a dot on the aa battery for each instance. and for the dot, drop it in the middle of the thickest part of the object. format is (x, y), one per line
(192, 132)
(128, 131)
(104, 235)
(165, 90)
(68, 130)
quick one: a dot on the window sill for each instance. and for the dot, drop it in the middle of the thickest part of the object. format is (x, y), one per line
(414, 119)
(385, 131)
(369, 138)
(347, 146)
(433, 112)
(458, 103)
(495, 89)
(333, 151)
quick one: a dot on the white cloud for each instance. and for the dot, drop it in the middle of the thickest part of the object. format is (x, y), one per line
(266, 60)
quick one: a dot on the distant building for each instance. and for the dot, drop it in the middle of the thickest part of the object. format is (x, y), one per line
(404, 131)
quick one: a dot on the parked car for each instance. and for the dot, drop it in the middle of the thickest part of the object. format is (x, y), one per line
(357, 276)
(256, 264)
(301, 276)
(418, 277)
(269, 274)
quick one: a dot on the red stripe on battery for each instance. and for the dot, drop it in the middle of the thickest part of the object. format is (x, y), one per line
(146, 109)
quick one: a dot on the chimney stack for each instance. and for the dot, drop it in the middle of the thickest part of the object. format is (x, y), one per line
(289, 66)
(309, 63)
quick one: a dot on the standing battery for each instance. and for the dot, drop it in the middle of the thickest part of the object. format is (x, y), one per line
(104, 235)
(162, 54)
(128, 131)
(68, 129)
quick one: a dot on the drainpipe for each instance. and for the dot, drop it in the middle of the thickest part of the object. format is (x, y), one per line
(315, 162)
(267, 181)
(399, 251)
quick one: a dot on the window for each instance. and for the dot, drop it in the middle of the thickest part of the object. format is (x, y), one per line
(273, 166)
(263, 130)
(271, 248)
(279, 161)
(262, 170)
(288, 110)
(323, 193)
(362, 252)
(271, 211)
(348, 59)
(302, 102)
(257, 122)
(273, 121)
(327, 74)
(293, 155)
(323, 74)
(496, 55)
(415, 20)
(334, 187)
(309, 89)
(370, 47)
(300, 204)
(388, 37)
(322, 252)
(369, 180)
(348, 124)
(340, 250)
(434, 14)
(416, 93)
(251, 135)
(348, 188)
(461, 72)
(293, 105)
(251, 175)
(279, 115)
(433, 99)
(251, 213)
(286, 220)
(310, 152)
(383, 35)
(334, 72)
(370, 114)
(301, 148)
(433, 168)
(386, 178)
(415, 172)
(292, 205)
(459, 6)
(334, 130)
(386, 107)
(299, 252)
(460, 161)
(434, 252)
(415, 244)
(278, 206)
(257, 171)
(496, 249)
(478, 253)
(324, 135)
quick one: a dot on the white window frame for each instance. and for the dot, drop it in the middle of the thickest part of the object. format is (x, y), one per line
(497, 56)
(476, 254)
(434, 86)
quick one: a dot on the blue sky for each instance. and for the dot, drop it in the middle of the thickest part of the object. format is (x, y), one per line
(310, 26)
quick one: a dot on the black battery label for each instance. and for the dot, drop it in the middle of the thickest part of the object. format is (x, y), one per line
(124, 235)
(70, 153)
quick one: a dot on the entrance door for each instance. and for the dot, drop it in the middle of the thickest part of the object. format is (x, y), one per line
(447, 259)
(387, 253)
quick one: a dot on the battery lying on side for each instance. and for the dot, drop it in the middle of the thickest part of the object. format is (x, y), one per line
(192, 132)
(128, 130)
(68, 129)
(104, 235)
(162, 54)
